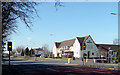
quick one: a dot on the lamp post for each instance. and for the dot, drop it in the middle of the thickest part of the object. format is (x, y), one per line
(111, 56)
(118, 28)
(113, 13)
(108, 56)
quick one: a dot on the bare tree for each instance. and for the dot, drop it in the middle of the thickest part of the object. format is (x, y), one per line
(116, 41)
(46, 50)
(12, 53)
(12, 11)
(19, 49)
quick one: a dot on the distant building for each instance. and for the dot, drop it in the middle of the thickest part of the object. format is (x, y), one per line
(39, 52)
(83, 46)
(107, 50)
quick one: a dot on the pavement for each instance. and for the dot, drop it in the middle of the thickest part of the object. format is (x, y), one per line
(21, 66)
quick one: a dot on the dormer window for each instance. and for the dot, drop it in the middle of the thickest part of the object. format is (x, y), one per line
(89, 41)
(64, 47)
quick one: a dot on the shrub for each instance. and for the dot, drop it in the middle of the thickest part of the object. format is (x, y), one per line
(57, 54)
(12, 53)
(117, 56)
(68, 56)
(22, 53)
(27, 51)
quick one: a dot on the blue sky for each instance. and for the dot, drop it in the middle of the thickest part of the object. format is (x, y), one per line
(75, 19)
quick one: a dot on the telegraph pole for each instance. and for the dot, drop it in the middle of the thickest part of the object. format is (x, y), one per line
(118, 33)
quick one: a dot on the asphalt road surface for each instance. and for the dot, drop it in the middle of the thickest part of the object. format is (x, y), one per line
(44, 66)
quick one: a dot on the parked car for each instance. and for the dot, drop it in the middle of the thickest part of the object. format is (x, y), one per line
(5, 55)
(38, 55)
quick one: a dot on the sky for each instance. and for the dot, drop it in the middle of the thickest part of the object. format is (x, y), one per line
(75, 19)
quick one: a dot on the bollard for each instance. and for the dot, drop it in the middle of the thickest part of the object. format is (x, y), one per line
(86, 60)
(94, 61)
(68, 60)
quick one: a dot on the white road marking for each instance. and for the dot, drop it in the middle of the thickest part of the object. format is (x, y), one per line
(53, 70)
(98, 72)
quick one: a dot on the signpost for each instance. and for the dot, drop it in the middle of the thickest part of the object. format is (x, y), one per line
(9, 49)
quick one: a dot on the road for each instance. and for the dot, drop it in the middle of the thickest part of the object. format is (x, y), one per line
(20, 66)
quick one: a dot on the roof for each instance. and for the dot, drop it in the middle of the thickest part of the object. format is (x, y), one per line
(67, 43)
(82, 39)
(107, 47)
(70, 42)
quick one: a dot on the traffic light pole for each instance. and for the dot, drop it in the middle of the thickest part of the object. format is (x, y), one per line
(9, 49)
(83, 58)
(9, 58)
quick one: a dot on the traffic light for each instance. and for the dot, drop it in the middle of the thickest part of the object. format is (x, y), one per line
(84, 46)
(9, 46)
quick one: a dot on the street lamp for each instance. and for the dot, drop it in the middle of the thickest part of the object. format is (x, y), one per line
(113, 13)
(111, 54)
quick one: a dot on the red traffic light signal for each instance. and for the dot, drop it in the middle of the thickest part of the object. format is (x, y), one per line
(9, 46)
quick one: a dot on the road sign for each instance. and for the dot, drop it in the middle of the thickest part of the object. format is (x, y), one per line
(9, 46)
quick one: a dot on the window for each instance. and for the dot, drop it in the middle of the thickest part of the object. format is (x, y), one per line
(64, 47)
(62, 52)
(89, 41)
(112, 52)
(92, 53)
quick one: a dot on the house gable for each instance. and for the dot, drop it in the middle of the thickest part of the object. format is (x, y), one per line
(76, 48)
(91, 48)
(55, 48)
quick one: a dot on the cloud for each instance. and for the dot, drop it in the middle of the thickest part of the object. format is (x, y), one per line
(29, 38)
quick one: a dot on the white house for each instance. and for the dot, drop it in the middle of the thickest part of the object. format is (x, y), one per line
(83, 46)
(76, 47)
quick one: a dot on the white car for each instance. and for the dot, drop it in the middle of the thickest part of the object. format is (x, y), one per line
(5, 54)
